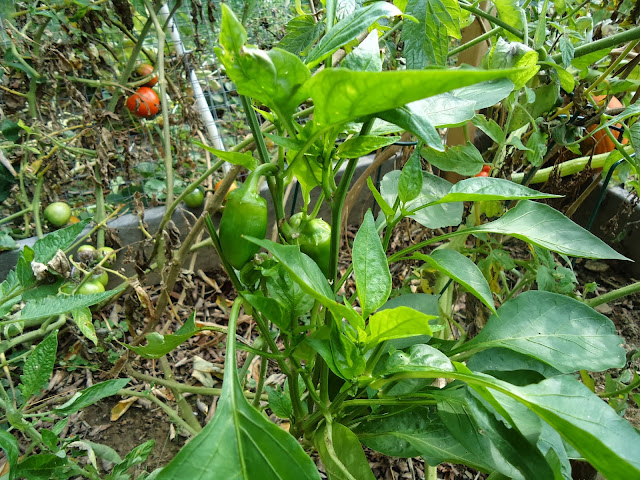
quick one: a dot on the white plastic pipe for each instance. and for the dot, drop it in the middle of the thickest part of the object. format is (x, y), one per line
(201, 102)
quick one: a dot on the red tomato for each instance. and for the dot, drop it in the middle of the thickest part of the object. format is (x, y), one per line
(144, 103)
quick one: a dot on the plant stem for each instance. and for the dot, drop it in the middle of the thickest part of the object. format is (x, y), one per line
(607, 42)
(336, 207)
(613, 295)
(36, 204)
(101, 213)
(566, 168)
(164, 102)
(622, 391)
(183, 387)
(492, 19)
(173, 415)
(473, 42)
(185, 409)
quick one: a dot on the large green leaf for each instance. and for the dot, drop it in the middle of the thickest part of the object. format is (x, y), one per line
(561, 331)
(370, 267)
(462, 270)
(275, 78)
(409, 432)
(544, 226)
(348, 29)
(592, 427)
(46, 247)
(342, 95)
(39, 366)
(433, 188)
(240, 442)
(9, 444)
(341, 453)
(410, 119)
(509, 452)
(399, 322)
(366, 56)
(479, 189)
(462, 159)
(58, 305)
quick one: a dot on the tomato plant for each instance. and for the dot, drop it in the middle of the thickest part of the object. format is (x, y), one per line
(57, 213)
(144, 103)
(106, 252)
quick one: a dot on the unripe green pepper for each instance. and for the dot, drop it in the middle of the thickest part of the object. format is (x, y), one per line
(245, 214)
(313, 237)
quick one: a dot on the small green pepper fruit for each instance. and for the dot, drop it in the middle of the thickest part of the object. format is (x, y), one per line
(244, 214)
(314, 238)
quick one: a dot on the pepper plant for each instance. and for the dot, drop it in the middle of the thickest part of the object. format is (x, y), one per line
(380, 370)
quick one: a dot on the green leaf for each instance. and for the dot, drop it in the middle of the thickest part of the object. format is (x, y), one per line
(462, 159)
(409, 118)
(537, 143)
(245, 160)
(240, 442)
(546, 227)
(159, 345)
(420, 357)
(558, 330)
(9, 444)
(341, 95)
(272, 309)
(276, 78)
(491, 128)
(585, 61)
(91, 395)
(479, 189)
(592, 427)
(433, 188)
(279, 403)
(436, 43)
(82, 318)
(399, 322)
(366, 56)
(341, 453)
(39, 366)
(498, 359)
(135, 457)
(301, 34)
(52, 306)
(44, 466)
(505, 54)
(46, 247)
(292, 298)
(370, 267)
(363, 144)
(462, 270)
(510, 12)
(410, 182)
(384, 206)
(419, 431)
(306, 273)
(345, 355)
(348, 29)
(509, 442)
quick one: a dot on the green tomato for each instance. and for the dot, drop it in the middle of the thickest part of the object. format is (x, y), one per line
(107, 252)
(57, 213)
(92, 286)
(67, 288)
(103, 278)
(86, 248)
(194, 199)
